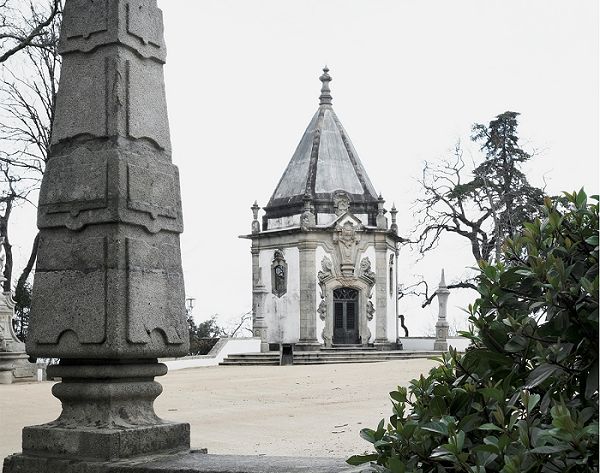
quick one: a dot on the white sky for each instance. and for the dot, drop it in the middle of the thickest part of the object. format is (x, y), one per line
(409, 79)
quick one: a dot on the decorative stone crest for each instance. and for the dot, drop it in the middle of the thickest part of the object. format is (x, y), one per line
(341, 203)
(279, 269)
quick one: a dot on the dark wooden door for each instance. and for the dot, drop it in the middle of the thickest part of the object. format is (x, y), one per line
(345, 316)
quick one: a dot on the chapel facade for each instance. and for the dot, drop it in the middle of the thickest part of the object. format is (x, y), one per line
(324, 258)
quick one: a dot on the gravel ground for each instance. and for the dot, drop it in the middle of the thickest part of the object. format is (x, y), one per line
(308, 410)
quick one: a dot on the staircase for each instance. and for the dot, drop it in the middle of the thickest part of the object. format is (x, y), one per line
(346, 354)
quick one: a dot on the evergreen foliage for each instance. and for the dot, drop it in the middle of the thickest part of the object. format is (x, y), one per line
(204, 335)
(524, 396)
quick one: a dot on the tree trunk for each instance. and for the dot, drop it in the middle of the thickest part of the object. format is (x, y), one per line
(29, 266)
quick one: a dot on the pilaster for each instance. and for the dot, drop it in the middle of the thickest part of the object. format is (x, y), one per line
(381, 296)
(308, 305)
(259, 295)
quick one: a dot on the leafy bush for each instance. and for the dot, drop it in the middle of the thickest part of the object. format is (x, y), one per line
(524, 396)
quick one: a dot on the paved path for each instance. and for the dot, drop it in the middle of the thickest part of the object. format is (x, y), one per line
(291, 410)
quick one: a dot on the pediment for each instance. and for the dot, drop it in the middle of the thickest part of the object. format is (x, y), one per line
(344, 219)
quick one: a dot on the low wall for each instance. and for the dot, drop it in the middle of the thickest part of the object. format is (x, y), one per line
(426, 343)
(223, 348)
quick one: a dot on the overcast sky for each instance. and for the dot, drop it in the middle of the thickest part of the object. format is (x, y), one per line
(409, 79)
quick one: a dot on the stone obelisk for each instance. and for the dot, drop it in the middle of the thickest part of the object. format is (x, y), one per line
(108, 296)
(441, 326)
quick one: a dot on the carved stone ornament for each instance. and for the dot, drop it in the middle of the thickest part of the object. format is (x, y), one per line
(370, 310)
(279, 270)
(322, 310)
(326, 271)
(366, 272)
(307, 219)
(347, 238)
(341, 203)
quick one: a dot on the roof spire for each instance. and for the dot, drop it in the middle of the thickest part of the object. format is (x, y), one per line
(325, 97)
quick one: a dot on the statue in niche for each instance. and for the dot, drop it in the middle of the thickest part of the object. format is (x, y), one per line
(341, 203)
(279, 274)
(370, 310)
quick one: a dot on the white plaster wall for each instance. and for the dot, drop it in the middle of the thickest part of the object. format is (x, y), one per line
(284, 222)
(282, 314)
(391, 303)
(319, 254)
(370, 253)
(232, 346)
(426, 343)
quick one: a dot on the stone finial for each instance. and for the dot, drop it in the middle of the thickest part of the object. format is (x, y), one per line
(307, 219)
(382, 222)
(255, 223)
(394, 213)
(325, 97)
(442, 284)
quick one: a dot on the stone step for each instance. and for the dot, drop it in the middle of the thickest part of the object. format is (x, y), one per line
(348, 347)
(326, 357)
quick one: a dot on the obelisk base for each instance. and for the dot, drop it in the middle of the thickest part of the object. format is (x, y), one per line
(107, 414)
(192, 462)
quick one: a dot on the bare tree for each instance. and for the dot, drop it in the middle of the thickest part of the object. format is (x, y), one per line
(241, 326)
(24, 25)
(484, 205)
(28, 86)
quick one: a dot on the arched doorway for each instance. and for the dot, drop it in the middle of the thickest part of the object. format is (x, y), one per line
(345, 316)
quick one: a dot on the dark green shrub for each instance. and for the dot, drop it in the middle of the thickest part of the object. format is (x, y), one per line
(524, 396)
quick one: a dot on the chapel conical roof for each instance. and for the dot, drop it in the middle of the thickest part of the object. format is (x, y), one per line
(325, 163)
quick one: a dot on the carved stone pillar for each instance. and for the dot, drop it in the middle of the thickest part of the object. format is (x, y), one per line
(308, 291)
(108, 296)
(381, 296)
(259, 295)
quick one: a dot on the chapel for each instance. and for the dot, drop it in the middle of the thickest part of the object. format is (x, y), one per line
(324, 256)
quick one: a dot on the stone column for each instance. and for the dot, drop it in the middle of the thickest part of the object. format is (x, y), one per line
(381, 296)
(259, 295)
(108, 296)
(441, 326)
(308, 301)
